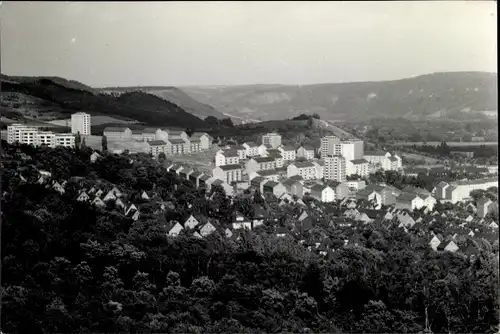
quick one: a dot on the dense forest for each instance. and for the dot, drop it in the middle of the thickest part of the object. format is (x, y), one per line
(68, 266)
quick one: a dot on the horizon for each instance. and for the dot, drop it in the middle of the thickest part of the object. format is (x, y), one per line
(182, 44)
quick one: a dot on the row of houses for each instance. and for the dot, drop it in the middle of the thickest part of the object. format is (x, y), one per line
(158, 140)
(458, 191)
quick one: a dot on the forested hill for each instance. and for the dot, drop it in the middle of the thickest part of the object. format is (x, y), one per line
(174, 95)
(65, 97)
(69, 266)
(466, 95)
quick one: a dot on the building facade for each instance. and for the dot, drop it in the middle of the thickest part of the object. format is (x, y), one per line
(273, 139)
(81, 123)
(335, 168)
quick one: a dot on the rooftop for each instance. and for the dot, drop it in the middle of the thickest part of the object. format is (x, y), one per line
(230, 167)
(156, 143)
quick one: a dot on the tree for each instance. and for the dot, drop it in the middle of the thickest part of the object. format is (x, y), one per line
(78, 139)
(104, 143)
(227, 122)
(84, 144)
(162, 157)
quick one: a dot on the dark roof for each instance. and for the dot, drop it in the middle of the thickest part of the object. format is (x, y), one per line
(217, 182)
(289, 182)
(358, 161)
(263, 159)
(137, 132)
(252, 144)
(115, 129)
(194, 140)
(196, 174)
(199, 134)
(393, 159)
(268, 172)
(176, 141)
(175, 132)
(308, 147)
(230, 153)
(297, 178)
(156, 143)
(303, 164)
(406, 197)
(204, 177)
(318, 187)
(230, 167)
(288, 148)
(271, 184)
(149, 130)
(258, 179)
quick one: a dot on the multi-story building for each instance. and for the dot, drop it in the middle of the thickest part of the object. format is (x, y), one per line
(65, 139)
(377, 158)
(252, 149)
(22, 134)
(176, 146)
(352, 149)
(149, 133)
(288, 152)
(195, 145)
(114, 133)
(305, 151)
(256, 164)
(273, 139)
(80, 123)
(320, 168)
(228, 157)
(228, 173)
(323, 193)
(31, 135)
(242, 153)
(335, 168)
(305, 169)
(330, 145)
(275, 188)
(205, 139)
(46, 138)
(460, 190)
(357, 167)
(294, 187)
(155, 147)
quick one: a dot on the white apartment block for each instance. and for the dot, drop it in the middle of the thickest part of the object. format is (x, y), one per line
(288, 152)
(30, 135)
(273, 139)
(460, 190)
(335, 168)
(352, 149)
(383, 160)
(357, 167)
(81, 123)
(305, 169)
(228, 157)
(155, 147)
(306, 152)
(228, 173)
(252, 149)
(320, 168)
(117, 134)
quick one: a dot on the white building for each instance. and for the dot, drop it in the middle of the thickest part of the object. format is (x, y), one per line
(81, 123)
(155, 147)
(335, 168)
(273, 139)
(252, 149)
(228, 173)
(352, 149)
(323, 193)
(357, 167)
(228, 157)
(320, 168)
(305, 151)
(65, 139)
(117, 134)
(330, 146)
(288, 152)
(460, 190)
(305, 169)
(31, 135)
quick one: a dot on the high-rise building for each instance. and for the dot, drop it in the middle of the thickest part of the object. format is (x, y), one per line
(330, 145)
(80, 122)
(335, 168)
(273, 139)
(352, 149)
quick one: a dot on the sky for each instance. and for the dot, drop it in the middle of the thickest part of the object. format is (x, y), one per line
(234, 43)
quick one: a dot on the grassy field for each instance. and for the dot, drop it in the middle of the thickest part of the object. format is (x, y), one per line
(450, 143)
(418, 157)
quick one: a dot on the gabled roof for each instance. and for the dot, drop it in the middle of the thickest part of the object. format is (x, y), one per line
(258, 179)
(196, 174)
(156, 143)
(267, 172)
(270, 184)
(263, 159)
(287, 148)
(319, 187)
(297, 178)
(199, 134)
(204, 177)
(231, 153)
(289, 182)
(176, 141)
(230, 167)
(251, 144)
(307, 147)
(115, 129)
(150, 130)
(404, 197)
(217, 182)
(359, 161)
(303, 164)
(393, 159)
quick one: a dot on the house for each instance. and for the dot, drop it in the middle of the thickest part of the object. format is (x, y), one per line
(197, 235)
(451, 247)
(371, 194)
(434, 243)
(202, 180)
(258, 183)
(252, 149)
(269, 174)
(377, 158)
(288, 152)
(191, 222)
(323, 193)
(110, 196)
(357, 167)
(275, 188)
(281, 232)
(177, 169)
(272, 139)
(186, 172)
(306, 152)
(83, 197)
(228, 173)
(306, 169)
(241, 222)
(262, 150)
(409, 201)
(207, 229)
(119, 204)
(356, 185)
(341, 189)
(194, 146)
(259, 215)
(57, 187)
(145, 196)
(175, 230)
(194, 176)
(293, 187)
(228, 157)
(204, 139)
(276, 155)
(439, 191)
(414, 172)
(98, 202)
(132, 208)
(256, 164)
(459, 191)
(484, 206)
(94, 156)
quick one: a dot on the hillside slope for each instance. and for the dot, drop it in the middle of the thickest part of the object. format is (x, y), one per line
(438, 95)
(47, 99)
(174, 95)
